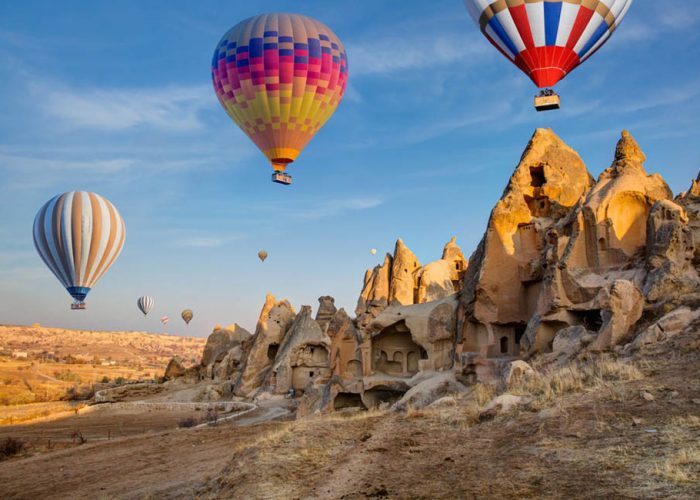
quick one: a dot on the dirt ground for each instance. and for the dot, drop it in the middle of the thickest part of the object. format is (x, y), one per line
(142, 459)
(602, 442)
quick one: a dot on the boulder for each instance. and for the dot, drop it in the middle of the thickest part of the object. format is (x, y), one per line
(426, 392)
(502, 404)
(570, 341)
(516, 371)
(667, 326)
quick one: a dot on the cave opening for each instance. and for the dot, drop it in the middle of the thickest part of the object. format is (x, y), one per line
(537, 178)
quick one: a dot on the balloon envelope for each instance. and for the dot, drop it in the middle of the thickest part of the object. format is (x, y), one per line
(373, 251)
(280, 77)
(145, 304)
(78, 235)
(164, 320)
(547, 39)
(262, 255)
(187, 315)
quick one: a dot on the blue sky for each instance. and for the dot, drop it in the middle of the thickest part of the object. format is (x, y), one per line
(115, 97)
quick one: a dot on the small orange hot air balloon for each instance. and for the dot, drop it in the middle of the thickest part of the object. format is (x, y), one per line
(280, 77)
(262, 255)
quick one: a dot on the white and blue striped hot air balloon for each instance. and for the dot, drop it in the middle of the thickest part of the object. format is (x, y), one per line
(145, 304)
(78, 235)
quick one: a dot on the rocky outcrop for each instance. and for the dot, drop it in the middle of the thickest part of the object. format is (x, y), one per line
(346, 341)
(506, 274)
(303, 357)
(325, 312)
(403, 267)
(670, 253)
(225, 352)
(567, 267)
(401, 280)
(374, 297)
(175, 369)
(275, 319)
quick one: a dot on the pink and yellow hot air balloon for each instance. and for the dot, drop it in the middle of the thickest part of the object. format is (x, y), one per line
(280, 77)
(547, 39)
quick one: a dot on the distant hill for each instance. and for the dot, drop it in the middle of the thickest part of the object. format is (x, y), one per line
(122, 347)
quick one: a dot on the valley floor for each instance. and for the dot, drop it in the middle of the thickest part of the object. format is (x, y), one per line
(606, 441)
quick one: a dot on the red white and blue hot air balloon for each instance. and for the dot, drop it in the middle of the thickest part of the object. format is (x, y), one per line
(547, 39)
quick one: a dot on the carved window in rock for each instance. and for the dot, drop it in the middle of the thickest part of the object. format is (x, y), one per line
(537, 177)
(504, 345)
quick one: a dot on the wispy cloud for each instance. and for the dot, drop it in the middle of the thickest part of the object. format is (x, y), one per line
(172, 107)
(335, 207)
(393, 54)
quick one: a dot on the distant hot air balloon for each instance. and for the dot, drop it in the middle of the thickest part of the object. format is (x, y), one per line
(280, 77)
(187, 315)
(164, 320)
(78, 236)
(145, 304)
(373, 251)
(262, 255)
(547, 39)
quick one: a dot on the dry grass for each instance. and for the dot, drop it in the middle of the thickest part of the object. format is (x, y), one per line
(575, 378)
(680, 462)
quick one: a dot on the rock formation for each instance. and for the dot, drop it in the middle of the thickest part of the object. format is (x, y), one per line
(326, 310)
(567, 267)
(225, 351)
(275, 318)
(303, 357)
(402, 280)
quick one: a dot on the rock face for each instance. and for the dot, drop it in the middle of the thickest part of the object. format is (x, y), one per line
(174, 369)
(275, 318)
(670, 254)
(326, 310)
(561, 251)
(303, 357)
(402, 280)
(403, 283)
(506, 273)
(225, 352)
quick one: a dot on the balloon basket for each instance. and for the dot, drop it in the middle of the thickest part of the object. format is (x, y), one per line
(547, 100)
(281, 178)
(77, 306)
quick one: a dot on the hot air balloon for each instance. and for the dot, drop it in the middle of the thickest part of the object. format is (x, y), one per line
(78, 236)
(280, 77)
(547, 39)
(187, 315)
(262, 255)
(164, 320)
(145, 304)
(373, 251)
